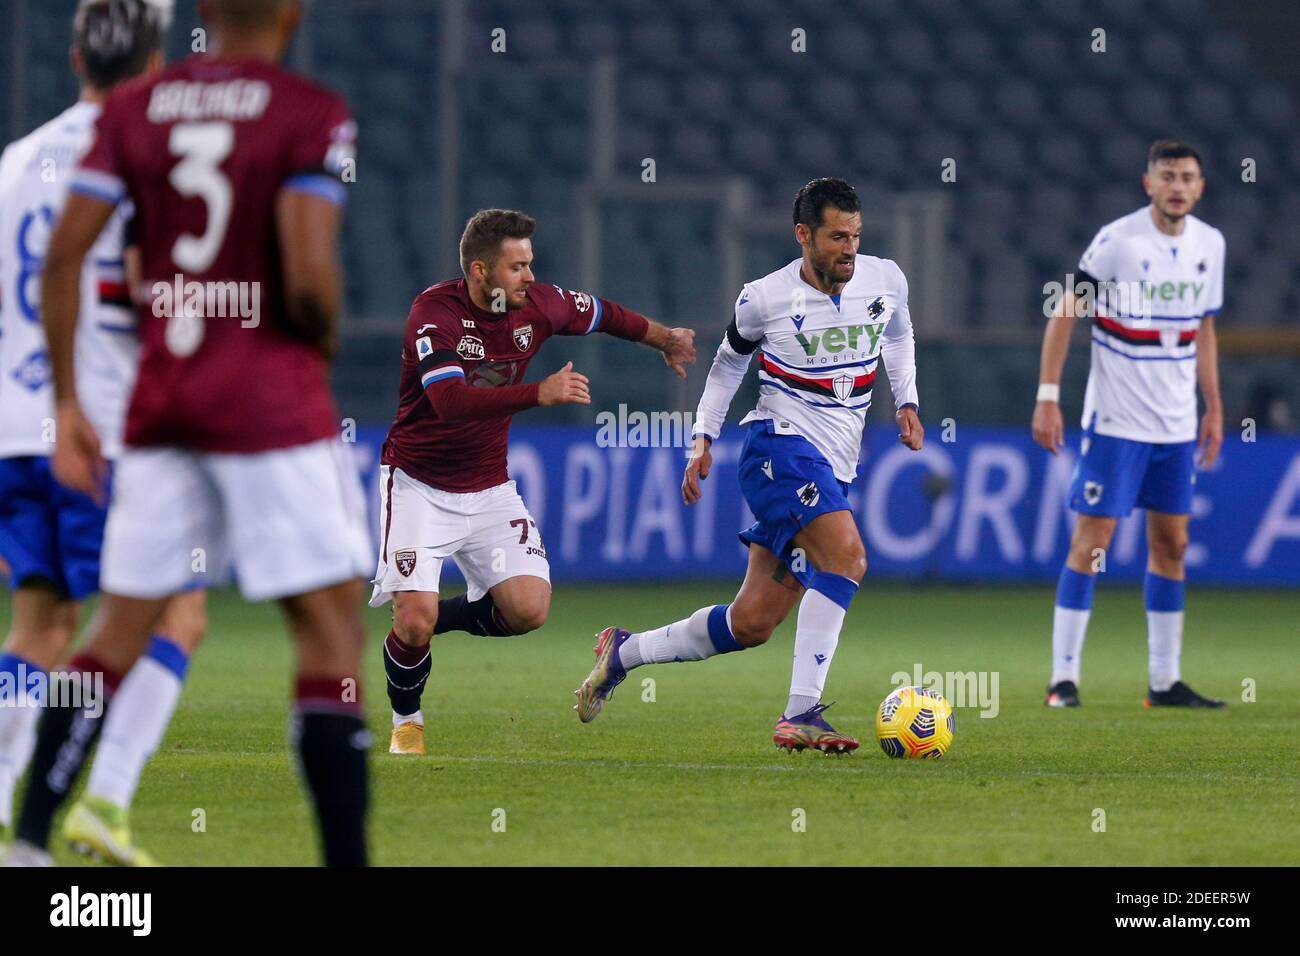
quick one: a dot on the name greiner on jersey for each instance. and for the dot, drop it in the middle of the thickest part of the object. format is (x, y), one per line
(817, 356)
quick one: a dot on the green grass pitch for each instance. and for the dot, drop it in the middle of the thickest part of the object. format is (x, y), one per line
(691, 777)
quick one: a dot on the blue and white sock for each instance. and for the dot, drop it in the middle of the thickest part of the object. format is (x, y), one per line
(1164, 602)
(816, 635)
(705, 633)
(134, 727)
(1070, 623)
(18, 716)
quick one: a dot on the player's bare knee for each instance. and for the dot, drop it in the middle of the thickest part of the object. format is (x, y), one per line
(857, 566)
(185, 624)
(528, 614)
(851, 562)
(1090, 537)
(1171, 546)
(414, 625)
(751, 627)
(44, 646)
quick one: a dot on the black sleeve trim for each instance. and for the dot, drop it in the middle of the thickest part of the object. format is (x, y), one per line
(440, 357)
(739, 344)
(1084, 282)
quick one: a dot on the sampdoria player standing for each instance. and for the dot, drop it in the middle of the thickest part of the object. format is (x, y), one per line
(1157, 279)
(232, 449)
(445, 492)
(819, 326)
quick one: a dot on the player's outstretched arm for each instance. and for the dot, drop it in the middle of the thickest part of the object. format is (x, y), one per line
(677, 345)
(77, 462)
(579, 313)
(1048, 425)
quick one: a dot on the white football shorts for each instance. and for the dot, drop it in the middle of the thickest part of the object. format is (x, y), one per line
(288, 521)
(489, 534)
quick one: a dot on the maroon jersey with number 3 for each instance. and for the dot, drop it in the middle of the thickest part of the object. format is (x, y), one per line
(455, 440)
(202, 150)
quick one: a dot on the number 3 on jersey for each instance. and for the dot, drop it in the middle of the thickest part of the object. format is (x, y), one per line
(202, 147)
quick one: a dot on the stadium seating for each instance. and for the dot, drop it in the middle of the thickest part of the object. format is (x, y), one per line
(1049, 137)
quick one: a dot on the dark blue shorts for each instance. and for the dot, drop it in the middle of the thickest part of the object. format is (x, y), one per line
(786, 483)
(48, 531)
(1114, 475)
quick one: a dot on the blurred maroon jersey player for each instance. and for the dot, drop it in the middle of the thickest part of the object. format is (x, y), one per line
(443, 482)
(203, 150)
(233, 458)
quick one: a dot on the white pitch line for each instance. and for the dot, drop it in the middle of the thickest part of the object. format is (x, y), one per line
(846, 765)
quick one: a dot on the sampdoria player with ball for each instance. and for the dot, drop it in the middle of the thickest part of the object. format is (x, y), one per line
(820, 326)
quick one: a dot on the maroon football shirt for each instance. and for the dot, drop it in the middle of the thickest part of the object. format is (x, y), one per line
(202, 150)
(451, 436)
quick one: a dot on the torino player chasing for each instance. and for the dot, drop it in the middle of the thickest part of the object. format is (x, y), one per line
(444, 488)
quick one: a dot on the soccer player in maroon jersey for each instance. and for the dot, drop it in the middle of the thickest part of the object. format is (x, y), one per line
(444, 488)
(232, 451)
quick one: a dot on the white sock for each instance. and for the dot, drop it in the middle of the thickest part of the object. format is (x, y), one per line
(17, 740)
(686, 640)
(797, 705)
(399, 719)
(816, 635)
(1069, 628)
(133, 729)
(1164, 648)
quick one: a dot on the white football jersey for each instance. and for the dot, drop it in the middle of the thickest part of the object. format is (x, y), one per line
(1154, 290)
(818, 356)
(34, 176)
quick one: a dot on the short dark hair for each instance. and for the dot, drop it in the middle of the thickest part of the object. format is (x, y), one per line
(812, 199)
(1163, 149)
(245, 14)
(115, 39)
(487, 229)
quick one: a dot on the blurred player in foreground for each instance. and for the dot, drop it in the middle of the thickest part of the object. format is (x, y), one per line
(820, 325)
(444, 491)
(1155, 281)
(232, 453)
(51, 535)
